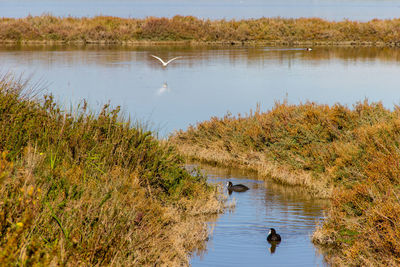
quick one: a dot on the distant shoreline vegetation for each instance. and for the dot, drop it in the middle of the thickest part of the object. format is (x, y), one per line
(191, 30)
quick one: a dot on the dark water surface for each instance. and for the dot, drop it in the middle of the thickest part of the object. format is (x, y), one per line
(207, 82)
(329, 9)
(239, 236)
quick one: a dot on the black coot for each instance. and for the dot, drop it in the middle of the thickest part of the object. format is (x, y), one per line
(236, 187)
(273, 236)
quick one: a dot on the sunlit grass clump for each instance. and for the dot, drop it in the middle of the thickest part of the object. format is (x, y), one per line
(350, 155)
(92, 189)
(105, 29)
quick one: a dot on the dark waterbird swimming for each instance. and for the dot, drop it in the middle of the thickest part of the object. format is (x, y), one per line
(236, 187)
(273, 236)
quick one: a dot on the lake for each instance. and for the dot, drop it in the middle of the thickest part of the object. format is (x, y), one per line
(329, 9)
(206, 81)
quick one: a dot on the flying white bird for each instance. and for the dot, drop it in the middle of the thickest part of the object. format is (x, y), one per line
(165, 63)
(309, 49)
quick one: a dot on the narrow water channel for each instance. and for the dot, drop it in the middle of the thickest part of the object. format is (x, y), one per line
(239, 236)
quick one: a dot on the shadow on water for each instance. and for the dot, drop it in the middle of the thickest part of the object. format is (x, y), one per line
(239, 237)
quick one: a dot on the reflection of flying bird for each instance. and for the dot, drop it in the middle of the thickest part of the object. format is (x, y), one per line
(165, 63)
(163, 89)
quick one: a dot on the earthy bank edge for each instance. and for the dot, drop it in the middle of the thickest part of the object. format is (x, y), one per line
(349, 155)
(191, 30)
(78, 188)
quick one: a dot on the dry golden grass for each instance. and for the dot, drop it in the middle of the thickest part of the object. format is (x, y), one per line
(256, 161)
(103, 29)
(88, 189)
(349, 155)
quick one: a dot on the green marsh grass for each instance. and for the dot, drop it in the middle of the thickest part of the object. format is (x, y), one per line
(350, 155)
(93, 189)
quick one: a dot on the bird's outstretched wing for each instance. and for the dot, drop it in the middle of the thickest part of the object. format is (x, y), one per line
(162, 61)
(172, 59)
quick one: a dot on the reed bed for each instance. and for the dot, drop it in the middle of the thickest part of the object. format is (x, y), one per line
(350, 155)
(82, 189)
(105, 29)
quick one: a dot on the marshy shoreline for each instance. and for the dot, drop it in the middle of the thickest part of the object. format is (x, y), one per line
(188, 30)
(349, 155)
(233, 43)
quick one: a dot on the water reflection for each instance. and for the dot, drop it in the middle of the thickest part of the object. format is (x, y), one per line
(274, 245)
(164, 89)
(191, 57)
(207, 81)
(240, 237)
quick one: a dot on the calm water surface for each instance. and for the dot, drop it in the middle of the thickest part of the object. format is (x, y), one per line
(328, 9)
(207, 82)
(239, 237)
